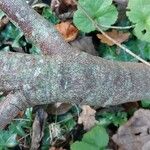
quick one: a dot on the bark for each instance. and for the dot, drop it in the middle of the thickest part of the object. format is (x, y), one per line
(35, 27)
(67, 76)
(81, 78)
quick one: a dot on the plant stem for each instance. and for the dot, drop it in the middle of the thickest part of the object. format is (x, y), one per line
(118, 27)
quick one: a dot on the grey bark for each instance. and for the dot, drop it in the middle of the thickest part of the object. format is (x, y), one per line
(35, 27)
(68, 76)
(78, 79)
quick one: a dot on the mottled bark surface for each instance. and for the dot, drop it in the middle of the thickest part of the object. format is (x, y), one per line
(35, 27)
(80, 78)
(67, 76)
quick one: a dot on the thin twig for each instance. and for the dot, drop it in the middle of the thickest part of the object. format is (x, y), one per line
(111, 39)
(118, 27)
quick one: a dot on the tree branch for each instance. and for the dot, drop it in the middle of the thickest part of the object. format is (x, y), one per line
(69, 76)
(10, 106)
(35, 27)
(80, 78)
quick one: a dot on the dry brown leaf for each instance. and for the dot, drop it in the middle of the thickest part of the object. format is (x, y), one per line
(20, 114)
(38, 128)
(135, 134)
(85, 44)
(87, 117)
(4, 21)
(68, 31)
(58, 108)
(118, 36)
(130, 106)
(63, 6)
(70, 2)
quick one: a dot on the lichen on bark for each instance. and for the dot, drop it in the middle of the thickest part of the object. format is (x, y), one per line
(67, 76)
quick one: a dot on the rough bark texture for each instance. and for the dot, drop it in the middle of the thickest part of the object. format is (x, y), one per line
(70, 76)
(78, 79)
(35, 27)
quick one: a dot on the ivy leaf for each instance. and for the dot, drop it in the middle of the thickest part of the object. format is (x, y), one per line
(7, 139)
(82, 145)
(101, 11)
(17, 128)
(139, 13)
(145, 103)
(117, 118)
(48, 14)
(97, 136)
(96, 139)
(138, 47)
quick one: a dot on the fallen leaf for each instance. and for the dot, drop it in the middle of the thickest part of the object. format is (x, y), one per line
(20, 114)
(118, 36)
(63, 6)
(87, 117)
(58, 108)
(4, 21)
(67, 30)
(85, 44)
(128, 107)
(135, 134)
(70, 2)
(38, 128)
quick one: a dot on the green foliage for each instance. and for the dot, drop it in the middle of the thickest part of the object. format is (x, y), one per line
(116, 118)
(138, 47)
(48, 14)
(139, 14)
(68, 122)
(10, 33)
(45, 144)
(145, 103)
(7, 139)
(101, 11)
(105, 14)
(96, 139)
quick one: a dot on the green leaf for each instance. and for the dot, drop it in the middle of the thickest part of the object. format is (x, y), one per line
(48, 14)
(97, 136)
(68, 122)
(138, 47)
(96, 139)
(7, 139)
(18, 127)
(101, 11)
(145, 103)
(11, 141)
(139, 14)
(116, 118)
(10, 32)
(83, 146)
(17, 40)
